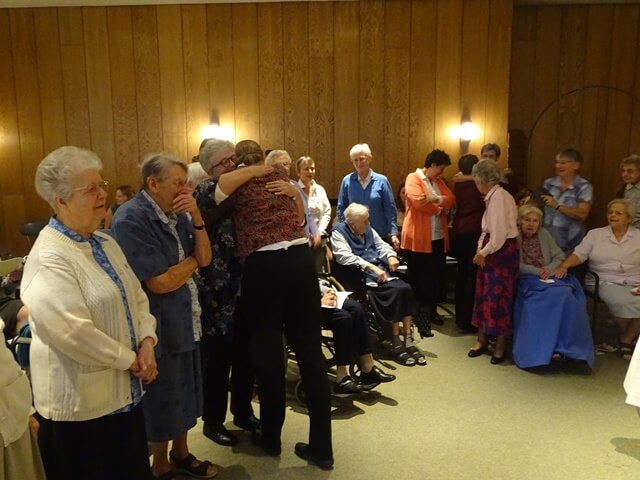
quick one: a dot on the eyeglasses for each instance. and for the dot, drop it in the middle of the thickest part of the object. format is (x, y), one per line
(93, 188)
(225, 162)
(175, 183)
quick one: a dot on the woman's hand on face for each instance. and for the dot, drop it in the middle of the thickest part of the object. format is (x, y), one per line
(185, 202)
(393, 263)
(329, 298)
(478, 260)
(282, 187)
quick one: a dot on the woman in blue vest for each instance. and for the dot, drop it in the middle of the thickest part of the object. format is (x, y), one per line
(357, 245)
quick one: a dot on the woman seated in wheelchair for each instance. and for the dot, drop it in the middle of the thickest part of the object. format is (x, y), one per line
(550, 318)
(348, 323)
(356, 245)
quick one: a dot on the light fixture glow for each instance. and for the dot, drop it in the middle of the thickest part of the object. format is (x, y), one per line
(214, 130)
(468, 131)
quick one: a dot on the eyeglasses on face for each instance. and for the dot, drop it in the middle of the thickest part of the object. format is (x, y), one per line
(225, 162)
(93, 188)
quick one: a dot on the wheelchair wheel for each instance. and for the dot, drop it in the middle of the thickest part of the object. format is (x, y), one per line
(300, 392)
(354, 370)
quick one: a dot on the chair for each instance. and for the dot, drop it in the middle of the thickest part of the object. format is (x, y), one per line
(582, 272)
(32, 229)
(8, 266)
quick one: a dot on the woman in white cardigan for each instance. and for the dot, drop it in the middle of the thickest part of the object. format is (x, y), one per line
(93, 336)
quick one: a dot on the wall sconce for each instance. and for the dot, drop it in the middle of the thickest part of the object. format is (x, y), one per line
(215, 130)
(465, 132)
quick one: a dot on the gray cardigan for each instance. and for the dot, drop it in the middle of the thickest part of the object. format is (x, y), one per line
(553, 255)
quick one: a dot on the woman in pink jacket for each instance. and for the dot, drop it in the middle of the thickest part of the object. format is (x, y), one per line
(424, 232)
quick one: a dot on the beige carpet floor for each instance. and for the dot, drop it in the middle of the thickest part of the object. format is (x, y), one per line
(462, 418)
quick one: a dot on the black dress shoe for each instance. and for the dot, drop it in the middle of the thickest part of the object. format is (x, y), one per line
(304, 452)
(375, 377)
(220, 435)
(347, 386)
(269, 448)
(250, 423)
(476, 353)
(497, 360)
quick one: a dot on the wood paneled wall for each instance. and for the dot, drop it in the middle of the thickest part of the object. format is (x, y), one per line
(314, 78)
(581, 64)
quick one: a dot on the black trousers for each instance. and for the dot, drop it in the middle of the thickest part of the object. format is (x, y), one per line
(426, 273)
(281, 295)
(350, 330)
(105, 448)
(465, 246)
(222, 355)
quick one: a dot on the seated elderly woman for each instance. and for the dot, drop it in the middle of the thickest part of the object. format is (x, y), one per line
(350, 328)
(358, 245)
(550, 314)
(614, 254)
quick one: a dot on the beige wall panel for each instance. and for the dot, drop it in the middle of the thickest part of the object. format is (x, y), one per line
(596, 72)
(497, 119)
(27, 95)
(296, 78)
(571, 74)
(424, 18)
(271, 81)
(10, 160)
(196, 67)
(372, 80)
(15, 215)
(346, 93)
(145, 55)
(172, 90)
(70, 25)
(321, 90)
(475, 76)
(544, 147)
(448, 72)
(123, 93)
(521, 114)
(99, 86)
(245, 72)
(50, 78)
(634, 141)
(397, 67)
(221, 77)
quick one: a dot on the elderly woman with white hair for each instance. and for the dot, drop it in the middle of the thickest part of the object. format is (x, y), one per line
(357, 245)
(614, 254)
(550, 319)
(93, 336)
(498, 259)
(165, 247)
(366, 187)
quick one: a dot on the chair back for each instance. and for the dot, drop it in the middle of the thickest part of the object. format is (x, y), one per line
(32, 229)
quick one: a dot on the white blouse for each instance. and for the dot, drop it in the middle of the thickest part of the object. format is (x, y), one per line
(318, 204)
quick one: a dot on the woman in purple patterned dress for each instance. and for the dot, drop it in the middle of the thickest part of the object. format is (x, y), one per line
(498, 261)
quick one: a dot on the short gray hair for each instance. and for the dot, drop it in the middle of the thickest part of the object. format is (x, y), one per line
(528, 208)
(359, 148)
(210, 150)
(629, 206)
(195, 174)
(355, 211)
(154, 165)
(486, 171)
(275, 155)
(56, 172)
(303, 161)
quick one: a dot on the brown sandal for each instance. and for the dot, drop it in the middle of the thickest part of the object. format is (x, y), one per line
(186, 465)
